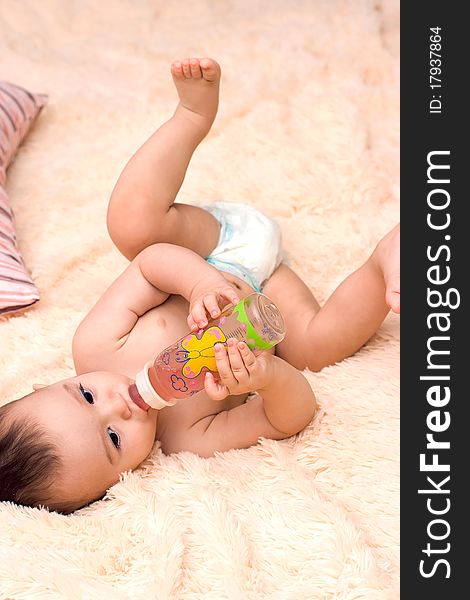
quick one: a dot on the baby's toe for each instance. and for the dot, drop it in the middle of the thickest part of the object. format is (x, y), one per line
(186, 68)
(210, 69)
(177, 70)
(196, 72)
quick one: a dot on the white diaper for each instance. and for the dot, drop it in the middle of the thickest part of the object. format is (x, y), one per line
(249, 243)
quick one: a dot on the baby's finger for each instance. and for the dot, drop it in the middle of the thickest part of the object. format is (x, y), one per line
(214, 390)
(223, 366)
(191, 323)
(392, 293)
(236, 361)
(211, 305)
(249, 359)
(230, 294)
(198, 313)
(393, 300)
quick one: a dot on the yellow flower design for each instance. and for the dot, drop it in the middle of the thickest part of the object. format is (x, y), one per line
(199, 353)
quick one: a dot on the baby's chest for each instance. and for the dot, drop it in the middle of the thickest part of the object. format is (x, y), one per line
(154, 331)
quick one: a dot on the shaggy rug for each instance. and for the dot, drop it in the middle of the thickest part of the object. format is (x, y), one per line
(307, 131)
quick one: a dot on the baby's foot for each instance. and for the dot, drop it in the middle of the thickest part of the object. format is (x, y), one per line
(197, 83)
(388, 251)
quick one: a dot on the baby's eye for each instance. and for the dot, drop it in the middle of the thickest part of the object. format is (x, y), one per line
(86, 394)
(114, 437)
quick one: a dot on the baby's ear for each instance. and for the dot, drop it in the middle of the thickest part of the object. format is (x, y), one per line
(38, 386)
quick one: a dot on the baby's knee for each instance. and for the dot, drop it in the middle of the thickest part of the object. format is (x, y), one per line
(131, 235)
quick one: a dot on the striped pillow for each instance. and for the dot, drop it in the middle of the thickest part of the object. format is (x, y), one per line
(18, 110)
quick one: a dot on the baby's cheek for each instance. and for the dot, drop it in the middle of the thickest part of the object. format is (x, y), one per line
(142, 442)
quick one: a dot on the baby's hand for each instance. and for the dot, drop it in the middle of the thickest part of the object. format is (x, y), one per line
(239, 370)
(207, 299)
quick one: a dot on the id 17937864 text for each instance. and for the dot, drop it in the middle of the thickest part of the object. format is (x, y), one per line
(435, 69)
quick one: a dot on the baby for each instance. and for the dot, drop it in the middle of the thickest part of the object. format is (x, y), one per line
(65, 444)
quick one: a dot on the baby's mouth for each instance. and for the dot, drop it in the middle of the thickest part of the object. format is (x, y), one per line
(137, 398)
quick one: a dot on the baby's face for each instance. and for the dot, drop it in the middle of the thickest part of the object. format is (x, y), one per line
(98, 429)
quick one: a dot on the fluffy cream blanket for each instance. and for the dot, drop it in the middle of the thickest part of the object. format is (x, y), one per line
(308, 132)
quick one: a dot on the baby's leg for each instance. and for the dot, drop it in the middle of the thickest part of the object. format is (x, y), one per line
(318, 337)
(141, 210)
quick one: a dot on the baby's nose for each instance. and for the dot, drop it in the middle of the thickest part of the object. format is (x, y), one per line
(118, 406)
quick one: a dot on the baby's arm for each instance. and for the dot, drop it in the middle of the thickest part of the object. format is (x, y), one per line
(284, 405)
(241, 370)
(181, 271)
(288, 399)
(154, 274)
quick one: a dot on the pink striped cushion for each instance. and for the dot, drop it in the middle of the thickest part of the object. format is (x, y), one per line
(18, 110)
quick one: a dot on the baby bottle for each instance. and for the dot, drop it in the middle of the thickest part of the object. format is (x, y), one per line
(179, 370)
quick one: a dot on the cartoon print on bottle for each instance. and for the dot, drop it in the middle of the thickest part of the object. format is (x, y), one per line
(198, 353)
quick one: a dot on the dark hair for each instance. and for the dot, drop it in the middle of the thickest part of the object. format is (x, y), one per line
(29, 461)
